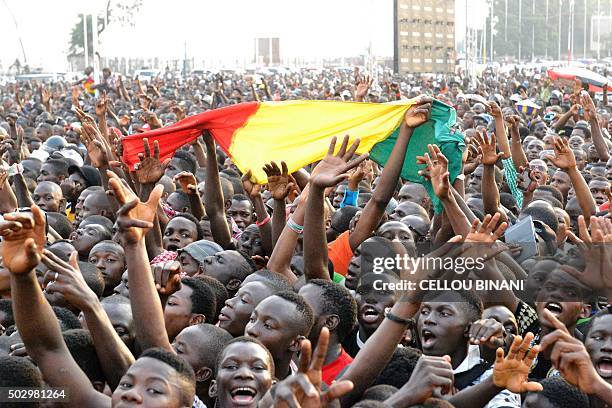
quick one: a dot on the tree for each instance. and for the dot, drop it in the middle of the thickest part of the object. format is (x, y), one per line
(116, 12)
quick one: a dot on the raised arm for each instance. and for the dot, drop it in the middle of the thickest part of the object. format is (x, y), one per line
(518, 154)
(280, 260)
(213, 196)
(564, 159)
(375, 208)
(8, 201)
(565, 117)
(279, 186)
(24, 239)
(263, 219)
(329, 172)
(596, 135)
(188, 184)
(500, 130)
(71, 284)
(133, 220)
(437, 172)
(101, 105)
(490, 191)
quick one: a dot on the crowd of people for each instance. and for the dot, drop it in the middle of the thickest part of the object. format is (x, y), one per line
(182, 283)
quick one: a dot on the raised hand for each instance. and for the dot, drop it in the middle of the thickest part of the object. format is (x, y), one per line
(152, 119)
(101, 105)
(92, 138)
(134, 218)
(511, 372)
(589, 107)
(251, 188)
(150, 169)
(76, 92)
(495, 110)
(487, 148)
(564, 156)
(436, 170)
(179, 111)
(167, 277)
(569, 356)
(488, 332)
(45, 96)
(67, 279)
(418, 113)
(306, 385)
(23, 240)
(486, 232)
(362, 86)
(84, 117)
(596, 249)
(333, 168)
(473, 159)
(187, 181)
(279, 182)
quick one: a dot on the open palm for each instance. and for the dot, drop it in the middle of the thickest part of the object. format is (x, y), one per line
(511, 372)
(564, 156)
(332, 169)
(23, 240)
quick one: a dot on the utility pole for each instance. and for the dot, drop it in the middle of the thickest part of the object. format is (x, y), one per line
(491, 42)
(598, 29)
(85, 45)
(559, 39)
(570, 31)
(466, 40)
(506, 22)
(532, 30)
(520, 25)
(584, 46)
(546, 39)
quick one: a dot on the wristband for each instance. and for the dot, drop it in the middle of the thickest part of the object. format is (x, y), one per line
(264, 222)
(406, 322)
(295, 227)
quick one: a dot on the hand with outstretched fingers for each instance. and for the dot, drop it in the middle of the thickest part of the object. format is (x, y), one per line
(333, 168)
(279, 182)
(511, 371)
(134, 218)
(66, 278)
(564, 156)
(92, 139)
(150, 169)
(487, 146)
(362, 86)
(304, 388)
(596, 247)
(488, 231)
(23, 240)
(436, 170)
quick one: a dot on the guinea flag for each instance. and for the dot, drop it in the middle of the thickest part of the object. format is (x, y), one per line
(298, 133)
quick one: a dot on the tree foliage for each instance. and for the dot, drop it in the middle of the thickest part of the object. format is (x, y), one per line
(116, 12)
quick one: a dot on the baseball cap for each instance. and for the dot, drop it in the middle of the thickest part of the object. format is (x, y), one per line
(89, 173)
